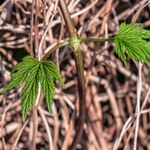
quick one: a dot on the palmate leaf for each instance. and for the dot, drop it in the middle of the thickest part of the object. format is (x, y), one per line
(32, 73)
(131, 40)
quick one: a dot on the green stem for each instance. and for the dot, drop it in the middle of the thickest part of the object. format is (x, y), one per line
(58, 46)
(80, 73)
(96, 40)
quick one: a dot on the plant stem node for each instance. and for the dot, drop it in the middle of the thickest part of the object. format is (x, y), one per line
(74, 42)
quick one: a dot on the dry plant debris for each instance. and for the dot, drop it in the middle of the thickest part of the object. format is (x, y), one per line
(112, 89)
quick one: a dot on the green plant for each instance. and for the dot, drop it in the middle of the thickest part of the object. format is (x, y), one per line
(130, 40)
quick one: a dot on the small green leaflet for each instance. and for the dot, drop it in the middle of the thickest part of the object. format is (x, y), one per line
(131, 39)
(31, 72)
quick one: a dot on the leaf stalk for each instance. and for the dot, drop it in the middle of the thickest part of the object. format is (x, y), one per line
(96, 40)
(58, 46)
